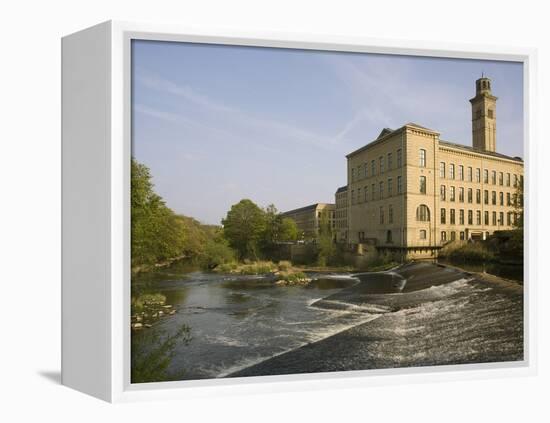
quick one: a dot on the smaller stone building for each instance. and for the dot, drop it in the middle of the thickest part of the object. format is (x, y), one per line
(341, 214)
(308, 218)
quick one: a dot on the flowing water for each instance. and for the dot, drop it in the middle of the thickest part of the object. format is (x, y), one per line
(239, 322)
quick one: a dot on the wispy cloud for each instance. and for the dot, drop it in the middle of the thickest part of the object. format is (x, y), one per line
(230, 118)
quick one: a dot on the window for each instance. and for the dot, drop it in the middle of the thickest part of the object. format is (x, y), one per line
(366, 166)
(462, 236)
(423, 213)
(478, 174)
(422, 162)
(501, 218)
(485, 176)
(452, 216)
(352, 174)
(399, 158)
(390, 161)
(381, 190)
(470, 217)
(470, 174)
(470, 195)
(358, 172)
(381, 215)
(388, 236)
(399, 185)
(358, 195)
(442, 192)
(507, 179)
(451, 193)
(509, 218)
(515, 180)
(478, 113)
(494, 177)
(451, 171)
(390, 214)
(501, 198)
(453, 235)
(486, 217)
(478, 196)
(490, 113)
(486, 197)
(461, 194)
(422, 185)
(422, 233)
(461, 172)
(442, 169)
(508, 199)
(494, 218)
(373, 192)
(443, 216)
(366, 193)
(501, 178)
(443, 236)
(381, 162)
(372, 168)
(494, 198)
(461, 217)
(478, 217)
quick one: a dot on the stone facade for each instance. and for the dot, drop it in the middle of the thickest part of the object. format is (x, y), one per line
(308, 219)
(411, 192)
(341, 214)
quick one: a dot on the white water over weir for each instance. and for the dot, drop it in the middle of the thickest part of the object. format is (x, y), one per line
(414, 315)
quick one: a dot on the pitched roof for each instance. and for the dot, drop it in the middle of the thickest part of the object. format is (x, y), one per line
(306, 208)
(474, 150)
(342, 189)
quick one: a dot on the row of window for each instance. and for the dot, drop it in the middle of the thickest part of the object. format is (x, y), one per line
(376, 191)
(497, 218)
(511, 199)
(500, 177)
(375, 167)
(452, 234)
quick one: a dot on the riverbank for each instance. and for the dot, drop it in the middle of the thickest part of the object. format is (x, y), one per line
(423, 315)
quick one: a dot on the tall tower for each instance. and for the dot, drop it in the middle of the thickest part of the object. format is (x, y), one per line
(484, 118)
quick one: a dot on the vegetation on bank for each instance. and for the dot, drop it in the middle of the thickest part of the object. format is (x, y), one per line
(152, 353)
(473, 251)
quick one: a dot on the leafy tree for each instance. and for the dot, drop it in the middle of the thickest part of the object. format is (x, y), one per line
(288, 230)
(217, 251)
(243, 227)
(156, 232)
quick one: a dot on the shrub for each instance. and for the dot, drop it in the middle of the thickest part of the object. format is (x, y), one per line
(469, 252)
(284, 265)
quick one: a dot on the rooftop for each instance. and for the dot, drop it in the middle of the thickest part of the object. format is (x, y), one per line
(387, 131)
(306, 208)
(474, 150)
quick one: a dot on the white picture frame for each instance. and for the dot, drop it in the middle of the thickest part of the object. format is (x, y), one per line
(95, 152)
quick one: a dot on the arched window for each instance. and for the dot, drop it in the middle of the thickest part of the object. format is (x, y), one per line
(423, 213)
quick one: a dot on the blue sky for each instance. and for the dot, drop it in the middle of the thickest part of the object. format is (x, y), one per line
(216, 124)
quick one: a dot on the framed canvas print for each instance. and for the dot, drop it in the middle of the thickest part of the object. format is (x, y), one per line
(260, 212)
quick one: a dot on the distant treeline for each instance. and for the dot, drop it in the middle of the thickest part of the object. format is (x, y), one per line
(159, 235)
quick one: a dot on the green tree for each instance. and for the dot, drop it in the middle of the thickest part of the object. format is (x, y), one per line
(244, 227)
(288, 230)
(156, 232)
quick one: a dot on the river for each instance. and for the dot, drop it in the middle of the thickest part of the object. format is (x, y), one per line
(246, 325)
